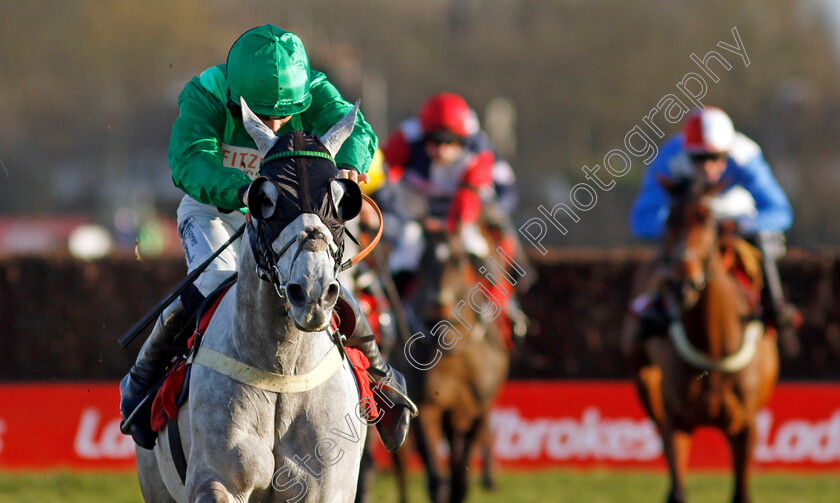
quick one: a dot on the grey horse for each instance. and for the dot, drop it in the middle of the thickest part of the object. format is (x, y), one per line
(243, 442)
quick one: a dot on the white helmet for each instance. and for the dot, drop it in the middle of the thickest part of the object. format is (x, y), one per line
(708, 131)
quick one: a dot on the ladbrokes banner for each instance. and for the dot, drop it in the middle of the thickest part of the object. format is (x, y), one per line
(534, 424)
(62, 425)
(602, 423)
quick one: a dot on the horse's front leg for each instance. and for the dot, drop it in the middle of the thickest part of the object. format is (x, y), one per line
(648, 379)
(488, 474)
(741, 445)
(677, 445)
(461, 447)
(401, 461)
(231, 456)
(211, 492)
(209, 487)
(429, 438)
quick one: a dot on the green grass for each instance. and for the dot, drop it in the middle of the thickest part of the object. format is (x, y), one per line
(69, 487)
(600, 486)
(555, 486)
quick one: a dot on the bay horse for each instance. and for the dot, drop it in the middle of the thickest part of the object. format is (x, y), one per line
(468, 364)
(717, 367)
(379, 302)
(292, 432)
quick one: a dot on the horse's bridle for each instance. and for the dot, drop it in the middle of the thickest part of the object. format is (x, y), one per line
(696, 281)
(700, 276)
(267, 259)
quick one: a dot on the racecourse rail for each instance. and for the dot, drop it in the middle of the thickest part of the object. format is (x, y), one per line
(60, 318)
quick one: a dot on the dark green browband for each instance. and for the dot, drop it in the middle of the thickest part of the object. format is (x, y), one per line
(299, 153)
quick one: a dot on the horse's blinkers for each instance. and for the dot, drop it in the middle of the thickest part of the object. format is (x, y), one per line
(300, 171)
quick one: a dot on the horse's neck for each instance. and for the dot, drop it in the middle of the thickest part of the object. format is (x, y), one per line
(461, 284)
(716, 323)
(264, 334)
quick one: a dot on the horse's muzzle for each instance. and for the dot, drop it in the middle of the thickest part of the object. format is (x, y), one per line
(312, 309)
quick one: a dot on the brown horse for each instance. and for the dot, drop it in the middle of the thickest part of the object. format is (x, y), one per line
(381, 304)
(717, 367)
(460, 364)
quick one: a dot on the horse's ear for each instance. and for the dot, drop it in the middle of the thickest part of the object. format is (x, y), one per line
(263, 136)
(668, 184)
(262, 198)
(340, 131)
(347, 198)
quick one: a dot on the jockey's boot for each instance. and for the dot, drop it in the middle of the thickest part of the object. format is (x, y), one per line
(653, 318)
(395, 408)
(778, 312)
(147, 371)
(519, 320)
(784, 317)
(652, 321)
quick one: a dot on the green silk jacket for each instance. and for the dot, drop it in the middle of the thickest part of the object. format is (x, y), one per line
(211, 155)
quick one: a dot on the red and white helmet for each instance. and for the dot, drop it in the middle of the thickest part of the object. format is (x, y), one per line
(448, 112)
(708, 131)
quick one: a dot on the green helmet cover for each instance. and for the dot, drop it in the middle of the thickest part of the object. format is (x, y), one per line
(269, 68)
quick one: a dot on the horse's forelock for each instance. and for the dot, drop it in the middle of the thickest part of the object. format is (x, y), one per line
(684, 188)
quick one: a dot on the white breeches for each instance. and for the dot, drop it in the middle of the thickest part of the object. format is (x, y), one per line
(203, 229)
(408, 250)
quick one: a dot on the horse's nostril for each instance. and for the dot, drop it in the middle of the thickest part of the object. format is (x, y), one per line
(296, 294)
(331, 294)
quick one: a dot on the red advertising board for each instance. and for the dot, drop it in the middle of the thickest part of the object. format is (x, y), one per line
(543, 424)
(534, 424)
(62, 425)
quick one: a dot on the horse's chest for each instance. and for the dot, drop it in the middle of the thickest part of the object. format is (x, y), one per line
(322, 419)
(318, 447)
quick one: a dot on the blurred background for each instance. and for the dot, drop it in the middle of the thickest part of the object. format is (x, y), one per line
(88, 95)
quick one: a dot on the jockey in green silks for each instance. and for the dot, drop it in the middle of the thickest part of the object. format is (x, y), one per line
(213, 160)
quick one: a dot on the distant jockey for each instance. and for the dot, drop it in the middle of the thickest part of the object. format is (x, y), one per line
(710, 146)
(751, 201)
(450, 179)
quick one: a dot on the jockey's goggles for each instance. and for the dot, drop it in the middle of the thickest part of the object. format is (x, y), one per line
(270, 117)
(442, 137)
(236, 110)
(701, 157)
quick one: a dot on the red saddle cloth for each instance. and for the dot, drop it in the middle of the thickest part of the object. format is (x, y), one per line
(165, 405)
(744, 263)
(360, 365)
